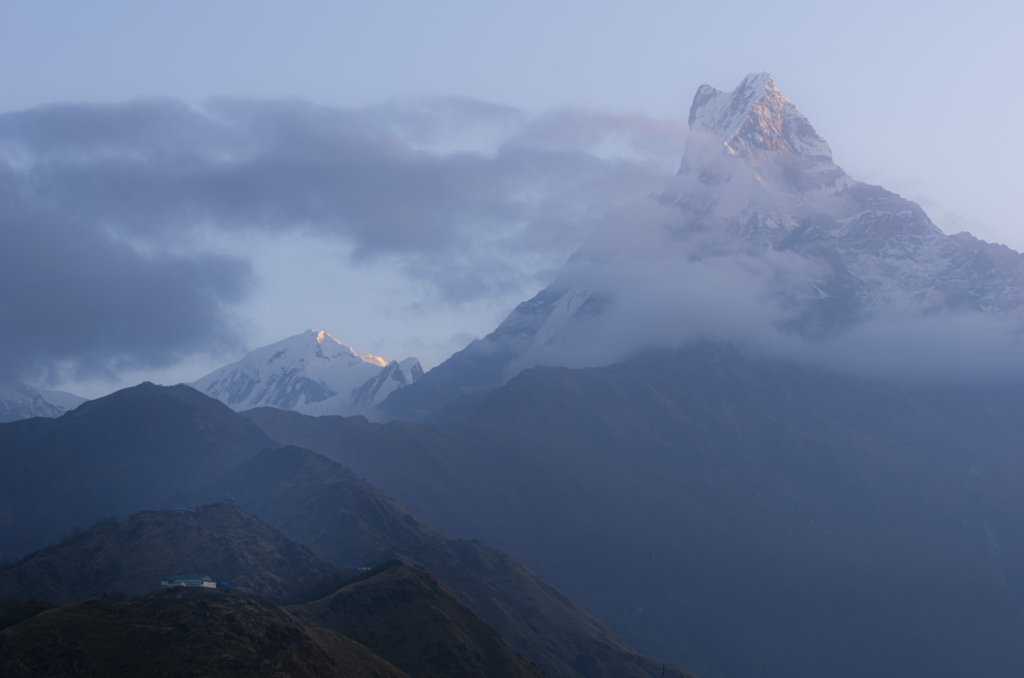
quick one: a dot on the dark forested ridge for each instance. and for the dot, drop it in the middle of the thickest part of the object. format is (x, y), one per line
(405, 614)
(140, 448)
(132, 556)
(402, 614)
(181, 633)
(732, 515)
(163, 447)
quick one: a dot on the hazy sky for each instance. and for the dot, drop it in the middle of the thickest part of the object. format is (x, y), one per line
(401, 174)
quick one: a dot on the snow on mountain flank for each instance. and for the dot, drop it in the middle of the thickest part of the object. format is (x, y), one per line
(21, 401)
(760, 237)
(758, 184)
(312, 373)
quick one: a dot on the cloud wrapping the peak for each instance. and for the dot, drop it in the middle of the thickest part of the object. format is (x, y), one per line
(648, 278)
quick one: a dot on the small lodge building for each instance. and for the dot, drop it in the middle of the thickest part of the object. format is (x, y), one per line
(200, 580)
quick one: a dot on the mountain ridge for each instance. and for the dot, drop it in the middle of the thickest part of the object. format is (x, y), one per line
(312, 372)
(412, 628)
(183, 632)
(133, 555)
(342, 517)
(143, 447)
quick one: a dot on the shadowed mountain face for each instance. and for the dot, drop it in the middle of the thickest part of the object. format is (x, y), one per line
(140, 448)
(154, 446)
(348, 521)
(734, 516)
(405, 614)
(181, 633)
(132, 556)
(402, 614)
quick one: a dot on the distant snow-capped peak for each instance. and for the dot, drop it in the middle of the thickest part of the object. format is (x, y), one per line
(21, 401)
(312, 373)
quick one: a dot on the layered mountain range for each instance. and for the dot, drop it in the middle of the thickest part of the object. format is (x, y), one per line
(312, 373)
(734, 516)
(392, 620)
(149, 447)
(760, 236)
(734, 512)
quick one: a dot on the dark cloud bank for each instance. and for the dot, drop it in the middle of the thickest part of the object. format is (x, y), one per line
(102, 208)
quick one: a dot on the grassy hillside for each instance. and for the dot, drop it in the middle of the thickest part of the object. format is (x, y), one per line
(139, 448)
(181, 633)
(132, 557)
(349, 522)
(407, 616)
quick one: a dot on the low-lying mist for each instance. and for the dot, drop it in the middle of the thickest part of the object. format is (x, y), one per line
(650, 281)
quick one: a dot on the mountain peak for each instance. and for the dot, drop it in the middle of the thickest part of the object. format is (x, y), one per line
(713, 105)
(322, 337)
(753, 122)
(312, 372)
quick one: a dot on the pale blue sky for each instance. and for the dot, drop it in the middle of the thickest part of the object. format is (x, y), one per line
(924, 98)
(911, 86)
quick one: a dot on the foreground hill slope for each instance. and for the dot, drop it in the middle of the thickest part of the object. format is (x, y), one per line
(133, 555)
(734, 515)
(405, 614)
(151, 447)
(139, 448)
(181, 633)
(348, 521)
(402, 614)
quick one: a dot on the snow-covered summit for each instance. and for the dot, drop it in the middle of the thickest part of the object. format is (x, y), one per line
(312, 373)
(758, 125)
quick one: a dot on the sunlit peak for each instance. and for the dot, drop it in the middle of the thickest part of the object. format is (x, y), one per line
(372, 359)
(321, 337)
